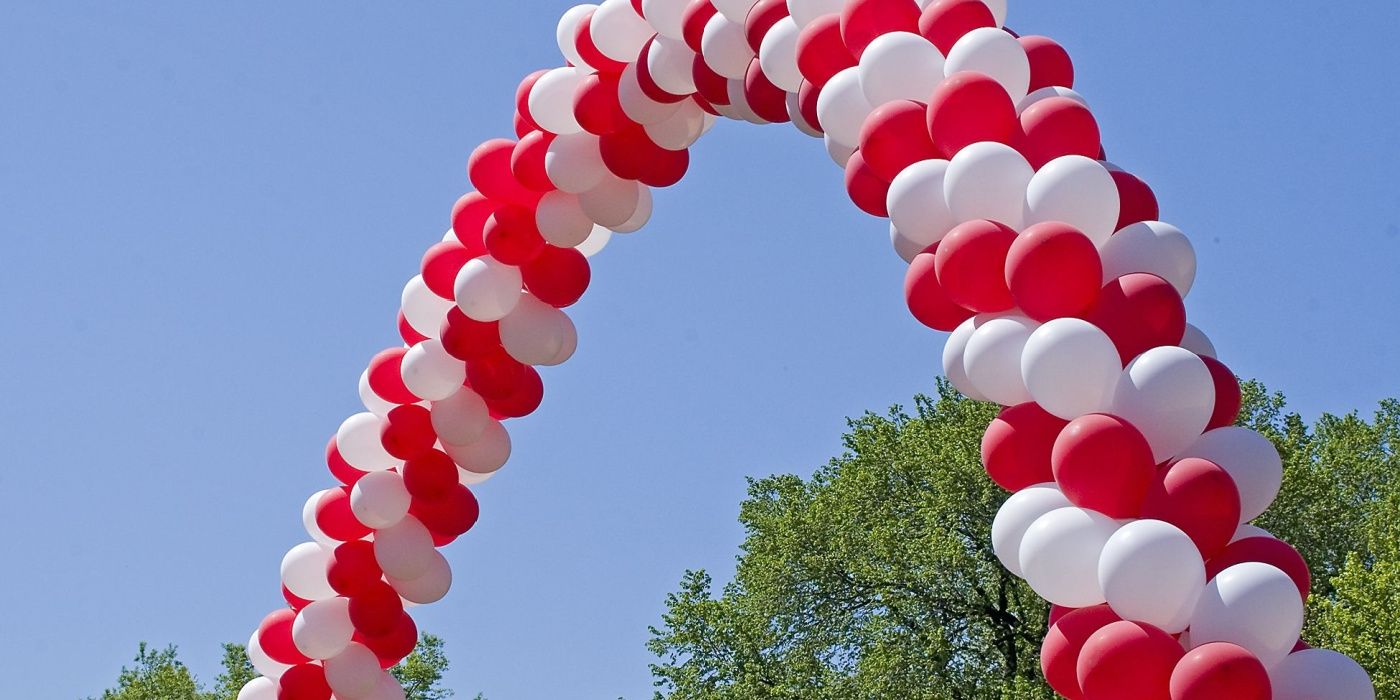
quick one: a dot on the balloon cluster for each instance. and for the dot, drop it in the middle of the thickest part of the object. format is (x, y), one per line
(1062, 291)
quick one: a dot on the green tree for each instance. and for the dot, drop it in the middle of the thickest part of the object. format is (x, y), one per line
(156, 674)
(421, 673)
(237, 671)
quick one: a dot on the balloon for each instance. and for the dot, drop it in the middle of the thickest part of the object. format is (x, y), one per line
(575, 163)
(694, 19)
(1321, 674)
(669, 63)
(1152, 247)
(558, 276)
(968, 108)
(1152, 572)
(388, 689)
(354, 672)
(466, 339)
(407, 431)
(376, 610)
(866, 188)
(309, 521)
(597, 107)
(1052, 271)
(428, 588)
(428, 371)
(1168, 394)
(484, 455)
(945, 21)
(431, 475)
(380, 500)
(450, 515)
(1196, 341)
(995, 53)
(1220, 671)
(1077, 191)
(680, 130)
(487, 289)
(1265, 550)
(304, 682)
(334, 517)
(410, 335)
(863, 21)
(1059, 555)
(259, 689)
(916, 204)
(596, 241)
(439, 269)
(993, 359)
(954, 352)
(735, 10)
(906, 249)
(1251, 460)
(636, 104)
(566, 32)
(761, 18)
(495, 375)
(1128, 660)
(371, 400)
(804, 12)
(842, 107)
(322, 629)
(926, 299)
(274, 639)
(1045, 94)
(894, 137)
(422, 308)
(385, 379)
(611, 203)
(489, 170)
(536, 333)
(778, 55)
(405, 549)
(352, 568)
(527, 161)
(551, 101)
(1227, 394)
(840, 153)
(725, 48)
(666, 16)
(588, 48)
(1058, 127)
(1059, 653)
(988, 181)
(395, 644)
(619, 31)
(1050, 63)
(821, 53)
(899, 66)
(1016, 516)
(1070, 368)
(358, 441)
(1198, 497)
(1016, 446)
(1104, 463)
(561, 220)
(1139, 311)
(1253, 605)
(1137, 201)
(469, 215)
(1246, 530)
(970, 262)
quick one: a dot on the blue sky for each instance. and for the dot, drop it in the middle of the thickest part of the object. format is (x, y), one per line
(208, 211)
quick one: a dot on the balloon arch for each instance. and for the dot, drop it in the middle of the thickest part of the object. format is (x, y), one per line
(1132, 491)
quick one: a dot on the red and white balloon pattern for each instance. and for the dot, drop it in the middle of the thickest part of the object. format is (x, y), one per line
(1132, 492)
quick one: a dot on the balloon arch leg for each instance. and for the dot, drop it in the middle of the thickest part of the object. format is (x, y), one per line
(1132, 492)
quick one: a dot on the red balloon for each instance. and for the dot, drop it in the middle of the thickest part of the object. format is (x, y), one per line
(1059, 653)
(340, 468)
(466, 338)
(1053, 271)
(926, 298)
(807, 95)
(895, 136)
(512, 236)
(1057, 612)
(1227, 394)
(946, 21)
(632, 155)
(971, 265)
(1266, 550)
(407, 432)
(352, 568)
(1050, 63)
(527, 161)
(762, 17)
(440, 266)
(292, 600)
(469, 216)
(968, 107)
(863, 21)
(1103, 463)
(1220, 671)
(527, 396)
(697, 14)
(1016, 447)
(865, 187)
(394, 645)
(588, 51)
(1128, 660)
(335, 519)
(451, 514)
(557, 276)
(525, 122)
(821, 52)
(711, 86)
(596, 105)
(1057, 126)
(705, 104)
(304, 682)
(376, 610)
(275, 638)
(494, 375)
(766, 99)
(429, 476)
(648, 83)
(385, 379)
(1139, 311)
(410, 335)
(1199, 498)
(489, 170)
(1136, 202)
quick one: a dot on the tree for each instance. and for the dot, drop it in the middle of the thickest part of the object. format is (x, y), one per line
(237, 671)
(874, 578)
(155, 674)
(421, 673)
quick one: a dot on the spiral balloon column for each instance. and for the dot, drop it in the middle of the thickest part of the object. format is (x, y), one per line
(1131, 490)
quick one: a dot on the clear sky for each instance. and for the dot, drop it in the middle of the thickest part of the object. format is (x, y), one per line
(208, 210)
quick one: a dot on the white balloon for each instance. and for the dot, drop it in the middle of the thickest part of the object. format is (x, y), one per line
(612, 202)
(1320, 674)
(954, 357)
(726, 47)
(840, 153)
(739, 103)
(736, 10)
(430, 587)
(264, 664)
(1077, 191)
(551, 100)
(561, 219)
(423, 309)
(323, 629)
(906, 249)
(389, 689)
(595, 243)
(1015, 517)
(618, 31)
(461, 417)
(842, 107)
(680, 130)
(1152, 572)
(1253, 605)
(536, 333)
(1166, 393)
(635, 103)
(1250, 459)
(641, 216)
(997, 54)
(1153, 247)
(1046, 93)
(574, 162)
(671, 64)
(567, 30)
(467, 478)
(916, 203)
(666, 16)
(353, 674)
(777, 55)
(1060, 555)
(794, 107)
(988, 180)
(1196, 341)
(485, 454)
(1247, 531)
(900, 66)
(259, 689)
(993, 358)
(380, 500)
(308, 519)
(404, 550)
(487, 289)
(804, 12)
(357, 439)
(371, 400)
(998, 8)
(430, 373)
(1071, 368)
